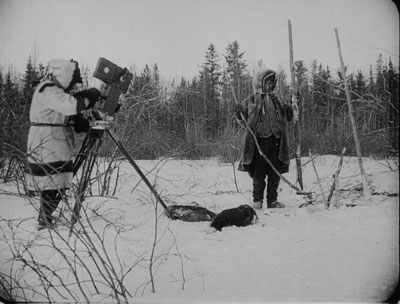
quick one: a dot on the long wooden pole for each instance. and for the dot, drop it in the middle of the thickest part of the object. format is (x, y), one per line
(295, 106)
(366, 189)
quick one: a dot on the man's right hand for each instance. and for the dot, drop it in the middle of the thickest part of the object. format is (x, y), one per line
(238, 111)
(239, 114)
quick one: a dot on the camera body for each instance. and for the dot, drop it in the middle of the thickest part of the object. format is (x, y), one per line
(117, 79)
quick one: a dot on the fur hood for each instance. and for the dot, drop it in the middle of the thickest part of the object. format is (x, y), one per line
(259, 76)
(62, 70)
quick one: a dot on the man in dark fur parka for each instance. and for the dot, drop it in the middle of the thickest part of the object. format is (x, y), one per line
(267, 116)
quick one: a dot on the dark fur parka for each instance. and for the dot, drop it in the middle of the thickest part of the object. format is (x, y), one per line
(252, 108)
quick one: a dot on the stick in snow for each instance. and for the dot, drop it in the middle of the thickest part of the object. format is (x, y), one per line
(295, 105)
(335, 184)
(366, 189)
(319, 182)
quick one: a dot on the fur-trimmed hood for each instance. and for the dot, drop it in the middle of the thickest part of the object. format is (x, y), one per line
(260, 76)
(62, 70)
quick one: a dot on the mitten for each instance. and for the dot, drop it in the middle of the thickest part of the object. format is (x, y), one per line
(79, 123)
(289, 112)
(238, 111)
(92, 95)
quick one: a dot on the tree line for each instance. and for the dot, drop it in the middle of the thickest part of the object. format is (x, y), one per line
(193, 118)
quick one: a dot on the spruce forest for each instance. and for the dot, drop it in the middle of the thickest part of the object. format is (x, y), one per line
(194, 119)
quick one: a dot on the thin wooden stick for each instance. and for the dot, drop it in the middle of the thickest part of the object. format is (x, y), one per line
(319, 181)
(337, 201)
(335, 184)
(366, 189)
(295, 106)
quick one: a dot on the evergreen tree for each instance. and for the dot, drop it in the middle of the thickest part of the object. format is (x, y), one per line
(393, 108)
(29, 80)
(3, 116)
(156, 75)
(210, 88)
(1, 84)
(371, 82)
(304, 98)
(236, 70)
(322, 96)
(227, 101)
(380, 81)
(11, 114)
(236, 79)
(382, 97)
(360, 85)
(180, 97)
(360, 100)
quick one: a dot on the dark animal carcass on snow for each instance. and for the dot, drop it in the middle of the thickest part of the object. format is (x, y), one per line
(240, 216)
(189, 213)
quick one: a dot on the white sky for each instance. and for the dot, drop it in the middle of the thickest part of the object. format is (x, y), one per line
(176, 33)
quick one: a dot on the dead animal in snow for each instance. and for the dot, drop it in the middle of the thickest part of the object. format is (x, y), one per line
(240, 216)
(189, 213)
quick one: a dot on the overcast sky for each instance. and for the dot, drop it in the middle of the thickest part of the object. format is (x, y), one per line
(175, 34)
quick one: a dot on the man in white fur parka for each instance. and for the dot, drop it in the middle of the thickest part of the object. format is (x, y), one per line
(51, 139)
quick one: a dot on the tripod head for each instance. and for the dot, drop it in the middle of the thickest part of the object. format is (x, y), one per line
(99, 119)
(118, 81)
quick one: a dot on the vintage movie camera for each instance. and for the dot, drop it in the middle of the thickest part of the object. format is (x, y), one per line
(117, 82)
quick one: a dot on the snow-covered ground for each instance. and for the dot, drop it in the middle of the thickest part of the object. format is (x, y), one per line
(294, 254)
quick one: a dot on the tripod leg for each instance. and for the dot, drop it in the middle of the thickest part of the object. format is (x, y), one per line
(82, 153)
(88, 168)
(80, 192)
(119, 144)
(87, 146)
(87, 156)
